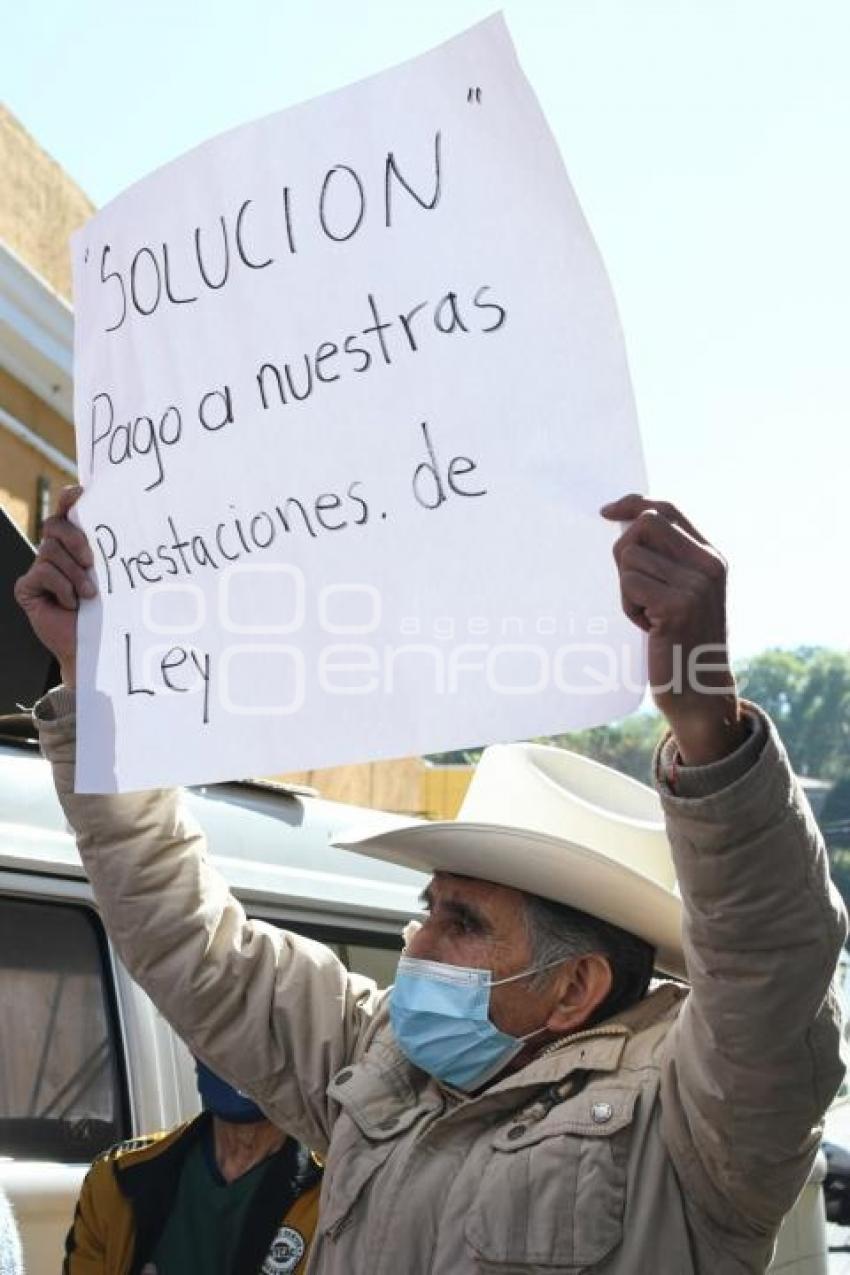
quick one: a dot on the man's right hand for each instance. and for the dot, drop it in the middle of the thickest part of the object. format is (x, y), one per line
(50, 591)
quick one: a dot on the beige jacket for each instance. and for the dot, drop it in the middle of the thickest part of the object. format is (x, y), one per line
(668, 1142)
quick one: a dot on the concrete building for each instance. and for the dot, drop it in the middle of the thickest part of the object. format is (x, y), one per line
(39, 208)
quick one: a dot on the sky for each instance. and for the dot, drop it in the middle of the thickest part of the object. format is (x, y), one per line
(707, 143)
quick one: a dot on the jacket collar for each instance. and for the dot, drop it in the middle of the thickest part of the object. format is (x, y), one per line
(149, 1178)
(384, 1094)
(599, 1048)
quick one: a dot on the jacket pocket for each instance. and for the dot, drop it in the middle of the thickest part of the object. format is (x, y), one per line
(347, 1183)
(553, 1193)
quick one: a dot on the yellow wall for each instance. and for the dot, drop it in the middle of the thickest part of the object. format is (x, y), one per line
(407, 785)
(384, 785)
(20, 469)
(39, 205)
(20, 464)
(445, 788)
(33, 412)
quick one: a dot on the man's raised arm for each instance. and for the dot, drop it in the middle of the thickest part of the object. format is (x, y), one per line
(275, 1014)
(753, 1060)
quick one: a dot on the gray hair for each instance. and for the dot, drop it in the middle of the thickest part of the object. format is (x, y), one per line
(557, 932)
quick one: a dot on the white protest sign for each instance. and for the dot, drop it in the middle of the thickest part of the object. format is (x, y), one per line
(350, 390)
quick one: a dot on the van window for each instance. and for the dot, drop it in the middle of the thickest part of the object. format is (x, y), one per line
(60, 1094)
(378, 962)
(376, 958)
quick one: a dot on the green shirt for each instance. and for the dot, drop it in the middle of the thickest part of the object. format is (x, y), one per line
(204, 1225)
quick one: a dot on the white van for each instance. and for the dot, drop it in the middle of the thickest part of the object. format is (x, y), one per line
(87, 1061)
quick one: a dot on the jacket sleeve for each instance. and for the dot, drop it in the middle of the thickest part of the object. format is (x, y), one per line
(754, 1058)
(85, 1245)
(272, 1013)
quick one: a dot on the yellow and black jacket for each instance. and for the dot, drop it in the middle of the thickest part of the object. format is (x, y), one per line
(128, 1193)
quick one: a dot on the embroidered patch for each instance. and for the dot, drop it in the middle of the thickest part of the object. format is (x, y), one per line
(288, 1247)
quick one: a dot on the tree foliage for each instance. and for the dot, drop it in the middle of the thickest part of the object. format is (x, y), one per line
(807, 693)
(835, 816)
(627, 746)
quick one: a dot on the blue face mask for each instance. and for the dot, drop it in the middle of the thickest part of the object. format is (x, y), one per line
(440, 1015)
(223, 1100)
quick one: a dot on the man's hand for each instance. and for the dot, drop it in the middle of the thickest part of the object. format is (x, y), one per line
(673, 586)
(50, 591)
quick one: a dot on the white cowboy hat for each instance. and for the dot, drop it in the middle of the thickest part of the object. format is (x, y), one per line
(559, 825)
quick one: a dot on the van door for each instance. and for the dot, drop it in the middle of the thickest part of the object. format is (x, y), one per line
(62, 1097)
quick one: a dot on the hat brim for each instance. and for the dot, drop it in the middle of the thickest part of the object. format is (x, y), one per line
(537, 863)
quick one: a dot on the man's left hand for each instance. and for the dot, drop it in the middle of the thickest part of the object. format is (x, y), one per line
(673, 586)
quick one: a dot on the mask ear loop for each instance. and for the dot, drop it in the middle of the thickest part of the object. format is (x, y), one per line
(413, 927)
(535, 969)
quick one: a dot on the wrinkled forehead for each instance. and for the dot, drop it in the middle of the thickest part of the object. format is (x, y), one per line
(478, 912)
(447, 887)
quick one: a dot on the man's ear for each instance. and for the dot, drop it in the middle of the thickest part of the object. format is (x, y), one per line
(585, 985)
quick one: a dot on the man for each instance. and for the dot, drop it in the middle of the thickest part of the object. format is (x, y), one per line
(227, 1192)
(518, 1101)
